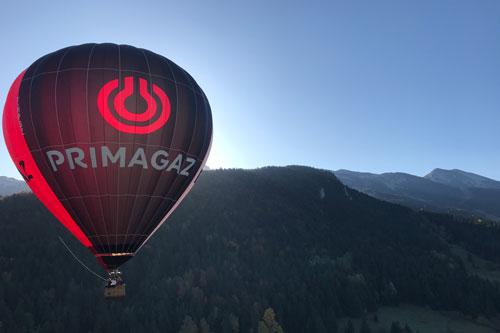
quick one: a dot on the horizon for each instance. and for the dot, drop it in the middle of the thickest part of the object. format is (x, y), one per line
(334, 171)
(385, 87)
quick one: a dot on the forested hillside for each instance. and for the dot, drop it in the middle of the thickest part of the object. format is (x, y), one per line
(291, 239)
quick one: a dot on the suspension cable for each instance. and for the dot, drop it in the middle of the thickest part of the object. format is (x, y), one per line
(80, 262)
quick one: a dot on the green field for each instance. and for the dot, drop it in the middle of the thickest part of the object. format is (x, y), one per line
(425, 320)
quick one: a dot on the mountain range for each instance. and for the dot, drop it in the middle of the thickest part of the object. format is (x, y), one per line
(10, 186)
(451, 191)
(447, 191)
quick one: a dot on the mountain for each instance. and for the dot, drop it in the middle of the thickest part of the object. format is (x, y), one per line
(10, 186)
(401, 188)
(461, 179)
(249, 251)
(449, 191)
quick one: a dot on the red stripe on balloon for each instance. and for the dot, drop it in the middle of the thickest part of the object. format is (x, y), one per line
(21, 155)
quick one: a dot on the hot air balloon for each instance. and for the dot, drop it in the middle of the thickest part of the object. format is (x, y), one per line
(110, 138)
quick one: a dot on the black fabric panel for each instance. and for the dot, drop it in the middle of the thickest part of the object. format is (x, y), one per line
(117, 206)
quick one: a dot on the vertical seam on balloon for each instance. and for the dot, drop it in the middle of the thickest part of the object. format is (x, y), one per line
(60, 134)
(148, 225)
(140, 224)
(190, 182)
(188, 148)
(119, 143)
(61, 139)
(125, 238)
(38, 141)
(209, 126)
(181, 198)
(142, 170)
(191, 80)
(106, 182)
(90, 140)
(17, 145)
(29, 101)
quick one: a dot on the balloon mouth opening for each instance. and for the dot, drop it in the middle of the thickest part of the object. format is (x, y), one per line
(115, 254)
(114, 260)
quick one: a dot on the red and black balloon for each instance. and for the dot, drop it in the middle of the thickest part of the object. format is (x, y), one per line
(110, 138)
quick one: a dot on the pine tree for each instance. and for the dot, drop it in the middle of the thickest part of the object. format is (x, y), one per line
(268, 324)
(349, 328)
(407, 329)
(365, 328)
(188, 326)
(396, 327)
(204, 327)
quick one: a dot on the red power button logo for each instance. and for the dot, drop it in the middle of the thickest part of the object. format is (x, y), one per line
(134, 121)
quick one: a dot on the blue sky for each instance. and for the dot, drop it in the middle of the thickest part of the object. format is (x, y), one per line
(363, 85)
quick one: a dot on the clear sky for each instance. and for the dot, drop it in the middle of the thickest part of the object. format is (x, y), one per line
(362, 85)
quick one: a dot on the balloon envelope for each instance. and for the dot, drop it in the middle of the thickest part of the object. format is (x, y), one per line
(110, 138)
